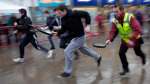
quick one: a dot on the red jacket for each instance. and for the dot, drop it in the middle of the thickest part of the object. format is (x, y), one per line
(134, 25)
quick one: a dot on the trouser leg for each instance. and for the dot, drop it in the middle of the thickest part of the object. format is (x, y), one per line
(138, 51)
(75, 44)
(123, 58)
(22, 45)
(51, 42)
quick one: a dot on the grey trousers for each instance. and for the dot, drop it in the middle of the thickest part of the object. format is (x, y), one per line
(77, 43)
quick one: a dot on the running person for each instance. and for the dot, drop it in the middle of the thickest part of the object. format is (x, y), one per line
(71, 22)
(25, 25)
(129, 29)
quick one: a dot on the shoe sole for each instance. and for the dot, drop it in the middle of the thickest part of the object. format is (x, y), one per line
(18, 62)
(145, 65)
(126, 75)
(63, 77)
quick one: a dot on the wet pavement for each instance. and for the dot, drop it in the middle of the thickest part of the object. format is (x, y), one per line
(37, 69)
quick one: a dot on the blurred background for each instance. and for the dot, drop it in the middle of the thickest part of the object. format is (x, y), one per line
(39, 70)
(100, 11)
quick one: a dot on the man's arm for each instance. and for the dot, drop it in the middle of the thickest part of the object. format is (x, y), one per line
(136, 28)
(113, 32)
(85, 15)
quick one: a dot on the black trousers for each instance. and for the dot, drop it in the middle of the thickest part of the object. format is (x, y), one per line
(29, 38)
(122, 54)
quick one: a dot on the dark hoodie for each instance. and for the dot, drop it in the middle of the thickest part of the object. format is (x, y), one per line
(73, 24)
(24, 24)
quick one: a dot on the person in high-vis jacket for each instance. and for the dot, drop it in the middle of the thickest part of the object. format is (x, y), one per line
(129, 30)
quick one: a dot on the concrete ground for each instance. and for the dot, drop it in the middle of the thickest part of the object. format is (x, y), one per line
(37, 69)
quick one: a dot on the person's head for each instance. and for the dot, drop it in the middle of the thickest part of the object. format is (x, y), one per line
(113, 9)
(119, 9)
(119, 12)
(22, 12)
(46, 13)
(61, 10)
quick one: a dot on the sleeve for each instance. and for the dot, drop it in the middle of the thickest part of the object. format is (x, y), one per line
(113, 32)
(49, 22)
(62, 30)
(136, 28)
(25, 24)
(28, 23)
(85, 15)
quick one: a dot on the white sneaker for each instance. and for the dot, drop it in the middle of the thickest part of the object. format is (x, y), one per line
(50, 54)
(18, 60)
(146, 65)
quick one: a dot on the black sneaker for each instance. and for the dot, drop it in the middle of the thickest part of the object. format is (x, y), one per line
(64, 75)
(143, 60)
(52, 48)
(99, 61)
(124, 72)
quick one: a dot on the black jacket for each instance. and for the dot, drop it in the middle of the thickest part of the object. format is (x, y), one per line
(24, 24)
(51, 21)
(73, 24)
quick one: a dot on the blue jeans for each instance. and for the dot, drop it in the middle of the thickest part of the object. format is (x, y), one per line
(51, 42)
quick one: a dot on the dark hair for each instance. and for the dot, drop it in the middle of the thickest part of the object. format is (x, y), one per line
(115, 6)
(61, 7)
(46, 12)
(23, 11)
(121, 8)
